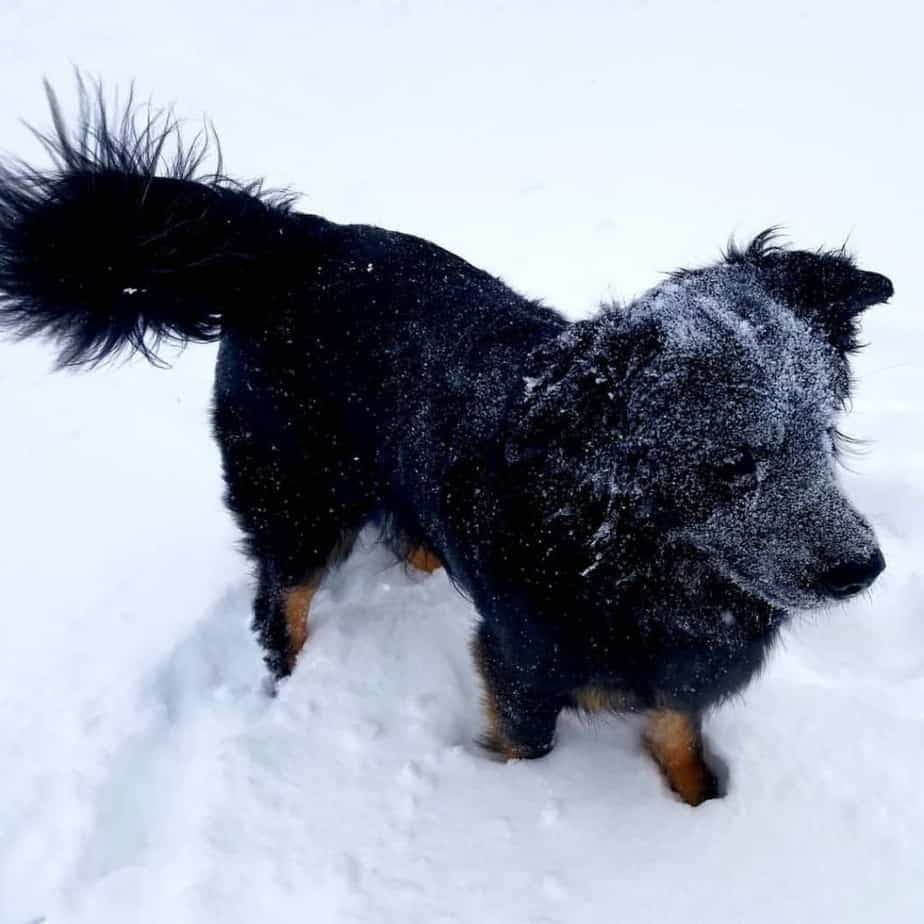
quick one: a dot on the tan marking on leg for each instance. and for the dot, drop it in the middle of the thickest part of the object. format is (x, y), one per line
(423, 559)
(297, 605)
(674, 741)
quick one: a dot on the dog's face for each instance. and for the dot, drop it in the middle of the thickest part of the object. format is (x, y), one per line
(709, 408)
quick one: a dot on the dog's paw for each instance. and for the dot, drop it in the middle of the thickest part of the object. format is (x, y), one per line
(696, 785)
(673, 739)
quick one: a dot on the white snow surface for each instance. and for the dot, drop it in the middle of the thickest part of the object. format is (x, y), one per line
(579, 150)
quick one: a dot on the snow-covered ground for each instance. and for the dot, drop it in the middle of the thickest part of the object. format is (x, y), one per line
(579, 150)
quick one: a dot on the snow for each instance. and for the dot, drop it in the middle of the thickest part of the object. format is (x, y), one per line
(579, 150)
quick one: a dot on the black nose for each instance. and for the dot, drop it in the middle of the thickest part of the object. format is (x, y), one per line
(851, 577)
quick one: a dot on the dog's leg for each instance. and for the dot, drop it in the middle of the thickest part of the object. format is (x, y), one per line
(422, 559)
(521, 718)
(296, 603)
(283, 601)
(281, 611)
(675, 741)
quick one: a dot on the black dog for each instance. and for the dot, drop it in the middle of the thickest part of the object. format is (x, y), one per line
(632, 502)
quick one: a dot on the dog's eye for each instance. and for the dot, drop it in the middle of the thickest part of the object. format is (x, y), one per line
(737, 467)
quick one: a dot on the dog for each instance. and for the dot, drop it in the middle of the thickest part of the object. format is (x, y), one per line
(634, 503)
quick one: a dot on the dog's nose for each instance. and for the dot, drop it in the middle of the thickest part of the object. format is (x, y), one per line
(851, 577)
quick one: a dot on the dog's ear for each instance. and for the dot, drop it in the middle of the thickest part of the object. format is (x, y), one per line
(824, 287)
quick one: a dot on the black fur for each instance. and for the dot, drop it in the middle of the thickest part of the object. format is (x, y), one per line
(128, 240)
(598, 489)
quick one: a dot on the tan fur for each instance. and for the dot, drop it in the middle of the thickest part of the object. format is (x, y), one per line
(423, 559)
(674, 741)
(297, 605)
(599, 699)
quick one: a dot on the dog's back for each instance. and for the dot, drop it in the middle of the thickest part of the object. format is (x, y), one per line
(371, 378)
(363, 374)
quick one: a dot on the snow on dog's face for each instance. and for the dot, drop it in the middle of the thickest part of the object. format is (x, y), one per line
(738, 426)
(707, 408)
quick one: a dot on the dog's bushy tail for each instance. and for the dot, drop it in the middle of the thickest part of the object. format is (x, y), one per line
(126, 241)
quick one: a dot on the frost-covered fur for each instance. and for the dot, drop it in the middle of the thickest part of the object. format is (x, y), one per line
(673, 463)
(717, 421)
(633, 502)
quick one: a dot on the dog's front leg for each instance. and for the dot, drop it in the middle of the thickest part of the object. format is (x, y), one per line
(521, 712)
(674, 739)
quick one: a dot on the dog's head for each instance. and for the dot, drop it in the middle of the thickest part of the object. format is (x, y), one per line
(705, 414)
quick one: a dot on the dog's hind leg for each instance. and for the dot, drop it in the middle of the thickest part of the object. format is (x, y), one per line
(283, 600)
(296, 602)
(281, 618)
(674, 740)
